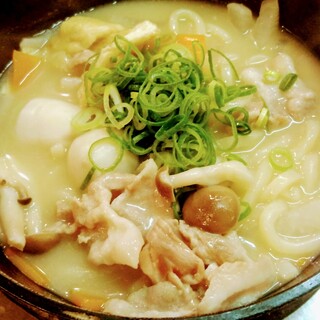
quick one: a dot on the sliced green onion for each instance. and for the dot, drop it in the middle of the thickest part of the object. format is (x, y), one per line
(105, 154)
(195, 45)
(232, 67)
(243, 127)
(288, 81)
(94, 81)
(172, 126)
(138, 142)
(113, 105)
(219, 95)
(263, 118)
(247, 90)
(228, 119)
(241, 117)
(233, 156)
(217, 92)
(281, 159)
(196, 108)
(271, 76)
(193, 147)
(181, 194)
(132, 62)
(158, 103)
(176, 210)
(245, 210)
(87, 178)
(88, 119)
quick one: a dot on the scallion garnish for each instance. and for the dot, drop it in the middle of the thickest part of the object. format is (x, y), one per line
(158, 103)
(281, 159)
(263, 118)
(271, 76)
(233, 156)
(88, 119)
(87, 178)
(245, 210)
(118, 113)
(288, 81)
(105, 154)
(230, 64)
(241, 117)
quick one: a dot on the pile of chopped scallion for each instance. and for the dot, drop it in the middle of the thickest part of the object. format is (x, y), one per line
(158, 103)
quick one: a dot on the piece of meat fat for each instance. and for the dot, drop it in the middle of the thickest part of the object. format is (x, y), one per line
(166, 257)
(214, 248)
(112, 239)
(141, 201)
(158, 301)
(234, 284)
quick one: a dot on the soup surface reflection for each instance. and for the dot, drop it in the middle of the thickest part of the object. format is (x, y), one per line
(156, 156)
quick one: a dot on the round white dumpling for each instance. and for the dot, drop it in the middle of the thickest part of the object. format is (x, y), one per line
(46, 121)
(78, 161)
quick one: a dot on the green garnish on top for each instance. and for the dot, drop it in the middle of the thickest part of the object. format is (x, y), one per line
(159, 103)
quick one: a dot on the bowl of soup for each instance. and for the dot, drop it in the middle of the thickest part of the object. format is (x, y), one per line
(159, 159)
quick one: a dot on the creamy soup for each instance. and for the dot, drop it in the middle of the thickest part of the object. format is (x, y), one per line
(156, 156)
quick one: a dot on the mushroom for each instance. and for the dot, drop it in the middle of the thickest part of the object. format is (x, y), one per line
(41, 242)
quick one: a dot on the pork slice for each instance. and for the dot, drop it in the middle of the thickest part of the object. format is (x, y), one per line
(165, 257)
(112, 239)
(300, 100)
(238, 283)
(214, 248)
(296, 102)
(271, 96)
(158, 301)
(141, 201)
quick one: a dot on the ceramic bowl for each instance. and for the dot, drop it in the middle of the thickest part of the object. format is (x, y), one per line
(24, 18)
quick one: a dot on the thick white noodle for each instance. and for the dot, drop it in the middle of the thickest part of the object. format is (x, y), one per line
(309, 140)
(281, 183)
(308, 245)
(241, 16)
(310, 171)
(178, 20)
(218, 33)
(232, 171)
(267, 23)
(262, 178)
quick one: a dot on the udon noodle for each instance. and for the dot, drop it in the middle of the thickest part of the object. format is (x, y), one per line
(161, 158)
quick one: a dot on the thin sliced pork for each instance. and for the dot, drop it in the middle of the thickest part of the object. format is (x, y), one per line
(166, 257)
(238, 283)
(214, 248)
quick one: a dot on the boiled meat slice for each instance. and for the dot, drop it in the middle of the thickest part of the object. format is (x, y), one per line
(141, 201)
(158, 301)
(238, 283)
(165, 257)
(295, 102)
(213, 248)
(112, 239)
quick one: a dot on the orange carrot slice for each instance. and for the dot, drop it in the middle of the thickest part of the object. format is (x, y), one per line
(86, 300)
(34, 273)
(25, 67)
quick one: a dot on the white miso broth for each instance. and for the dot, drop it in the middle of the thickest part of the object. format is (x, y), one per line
(126, 244)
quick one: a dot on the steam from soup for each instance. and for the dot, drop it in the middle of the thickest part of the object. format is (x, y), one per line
(112, 122)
